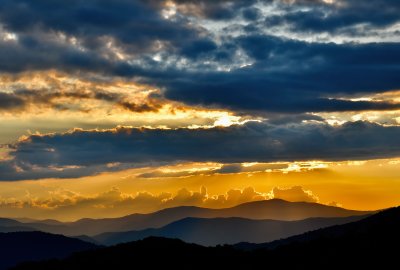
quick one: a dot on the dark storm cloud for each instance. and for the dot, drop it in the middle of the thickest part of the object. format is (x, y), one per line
(31, 53)
(302, 15)
(295, 76)
(251, 13)
(252, 142)
(135, 27)
(133, 23)
(339, 17)
(286, 76)
(198, 48)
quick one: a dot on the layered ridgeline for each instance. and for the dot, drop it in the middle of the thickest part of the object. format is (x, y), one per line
(260, 210)
(218, 231)
(371, 243)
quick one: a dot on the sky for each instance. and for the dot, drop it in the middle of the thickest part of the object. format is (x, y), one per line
(109, 108)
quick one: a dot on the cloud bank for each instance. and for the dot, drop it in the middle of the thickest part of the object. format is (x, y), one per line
(80, 152)
(277, 60)
(241, 67)
(70, 205)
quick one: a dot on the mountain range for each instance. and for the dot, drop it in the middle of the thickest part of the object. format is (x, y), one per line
(370, 243)
(260, 210)
(215, 231)
(250, 223)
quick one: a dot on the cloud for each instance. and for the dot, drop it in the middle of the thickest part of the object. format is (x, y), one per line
(85, 20)
(302, 76)
(210, 54)
(67, 204)
(246, 71)
(83, 152)
(38, 54)
(10, 101)
(193, 169)
(334, 204)
(213, 10)
(294, 194)
(75, 38)
(290, 76)
(230, 168)
(21, 99)
(207, 170)
(341, 17)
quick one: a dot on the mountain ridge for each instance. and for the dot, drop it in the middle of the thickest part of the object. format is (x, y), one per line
(267, 209)
(364, 244)
(230, 230)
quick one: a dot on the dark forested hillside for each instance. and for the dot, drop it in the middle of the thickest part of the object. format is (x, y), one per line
(17, 247)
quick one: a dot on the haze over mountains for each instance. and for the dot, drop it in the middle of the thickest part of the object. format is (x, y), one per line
(270, 209)
(215, 231)
(207, 227)
(370, 243)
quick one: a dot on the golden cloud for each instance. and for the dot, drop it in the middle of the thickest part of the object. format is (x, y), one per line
(53, 101)
(294, 194)
(69, 205)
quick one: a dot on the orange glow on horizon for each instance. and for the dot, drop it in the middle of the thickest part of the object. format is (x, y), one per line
(363, 185)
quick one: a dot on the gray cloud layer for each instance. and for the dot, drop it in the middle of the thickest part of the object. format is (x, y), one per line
(341, 17)
(285, 75)
(93, 150)
(241, 67)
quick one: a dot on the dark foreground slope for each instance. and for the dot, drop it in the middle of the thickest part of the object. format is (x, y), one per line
(372, 243)
(378, 228)
(17, 247)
